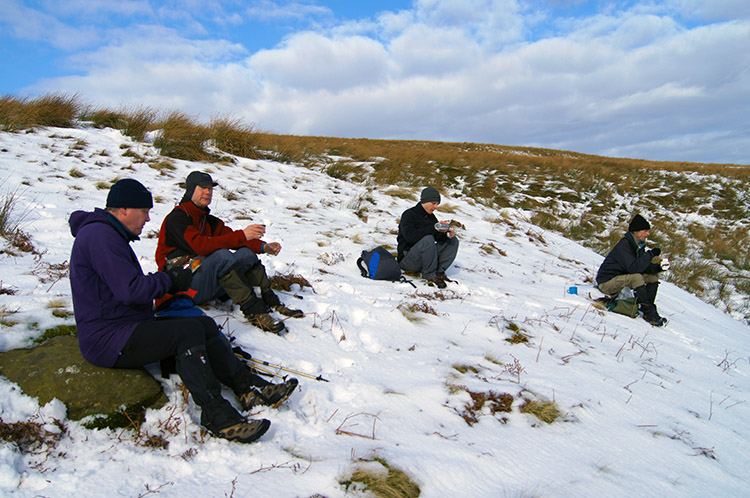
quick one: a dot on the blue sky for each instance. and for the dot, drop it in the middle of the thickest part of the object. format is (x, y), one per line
(644, 79)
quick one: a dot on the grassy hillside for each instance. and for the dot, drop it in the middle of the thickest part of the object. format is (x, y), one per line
(700, 213)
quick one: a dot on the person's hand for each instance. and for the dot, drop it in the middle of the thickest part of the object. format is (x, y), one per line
(655, 251)
(254, 231)
(180, 278)
(272, 248)
(665, 265)
(451, 233)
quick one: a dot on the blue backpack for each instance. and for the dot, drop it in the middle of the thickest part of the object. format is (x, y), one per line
(379, 264)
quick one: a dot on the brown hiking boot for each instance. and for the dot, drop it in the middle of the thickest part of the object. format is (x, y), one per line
(271, 395)
(246, 431)
(264, 322)
(282, 308)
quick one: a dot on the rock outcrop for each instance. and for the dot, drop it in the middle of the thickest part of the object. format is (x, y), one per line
(56, 369)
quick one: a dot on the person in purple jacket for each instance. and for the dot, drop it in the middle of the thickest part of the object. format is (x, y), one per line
(113, 305)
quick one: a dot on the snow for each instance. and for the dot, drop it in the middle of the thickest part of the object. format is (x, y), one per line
(645, 411)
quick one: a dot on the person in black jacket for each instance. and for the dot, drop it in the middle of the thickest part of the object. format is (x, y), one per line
(629, 264)
(424, 244)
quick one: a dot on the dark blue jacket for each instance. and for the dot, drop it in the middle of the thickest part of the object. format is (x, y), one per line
(415, 224)
(111, 294)
(626, 258)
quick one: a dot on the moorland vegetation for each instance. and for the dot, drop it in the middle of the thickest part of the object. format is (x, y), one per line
(700, 212)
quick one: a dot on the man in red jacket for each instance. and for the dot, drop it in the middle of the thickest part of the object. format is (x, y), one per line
(229, 264)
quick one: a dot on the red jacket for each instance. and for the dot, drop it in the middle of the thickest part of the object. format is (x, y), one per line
(192, 231)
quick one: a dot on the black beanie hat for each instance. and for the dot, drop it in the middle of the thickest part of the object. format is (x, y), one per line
(638, 223)
(129, 193)
(429, 194)
(196, 179)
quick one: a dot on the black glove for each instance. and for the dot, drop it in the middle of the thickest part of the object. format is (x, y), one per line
(180, 277)
(655, 251)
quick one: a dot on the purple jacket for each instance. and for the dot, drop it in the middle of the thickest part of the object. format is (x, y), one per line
(111, 294)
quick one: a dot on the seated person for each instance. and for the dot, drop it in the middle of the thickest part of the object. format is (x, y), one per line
(229, 262)
(113, 306)
(424, 245)
(629, 264)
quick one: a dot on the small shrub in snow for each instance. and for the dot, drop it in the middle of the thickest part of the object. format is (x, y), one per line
(546, 411)
(382, 480)
(31, 437)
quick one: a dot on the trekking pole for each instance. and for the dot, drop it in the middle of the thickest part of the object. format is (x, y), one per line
(303, 374)
(263, 371)
(247, 358)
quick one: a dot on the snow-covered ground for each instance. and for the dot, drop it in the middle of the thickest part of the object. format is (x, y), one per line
(645, 411)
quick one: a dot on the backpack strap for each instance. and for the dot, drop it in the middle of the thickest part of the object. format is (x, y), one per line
(403, 280)
(362, 268)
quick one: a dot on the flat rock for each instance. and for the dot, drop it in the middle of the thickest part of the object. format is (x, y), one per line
(56, 369)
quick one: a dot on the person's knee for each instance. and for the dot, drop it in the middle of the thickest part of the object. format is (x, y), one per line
(222, 256)
(612, 287)
(426, 241)
(192, 334)
(210, 327)
(246, 256)
(636, 280)
(650, 278)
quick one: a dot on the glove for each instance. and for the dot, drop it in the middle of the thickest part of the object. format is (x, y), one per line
(180, 277)
(665, 264)
(655, 251)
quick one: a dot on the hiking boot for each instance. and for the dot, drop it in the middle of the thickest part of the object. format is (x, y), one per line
(271, 395)
(246, 431)
(652, 316)
(643, 295)
(284, 310)
(442, 276)
(436, 282)
(264, 322)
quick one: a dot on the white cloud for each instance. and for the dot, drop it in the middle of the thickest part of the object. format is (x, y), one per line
(489, 21)
(310, 61)
(712, 10)
(31, 24)
(421, 50)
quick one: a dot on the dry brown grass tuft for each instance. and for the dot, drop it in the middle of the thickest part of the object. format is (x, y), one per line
(234, 137)
(546, 411)
(382, 480)
(285, 282)
(182, 138)
(55, 109)
(31, 437)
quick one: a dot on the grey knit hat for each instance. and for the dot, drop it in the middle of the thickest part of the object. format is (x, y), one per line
(429, 194)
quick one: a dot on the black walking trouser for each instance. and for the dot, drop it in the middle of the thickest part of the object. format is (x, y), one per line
(165, 337)
(204, 358)
(161, 338)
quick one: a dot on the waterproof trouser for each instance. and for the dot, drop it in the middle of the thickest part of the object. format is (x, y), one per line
(429, 257)
(242, 293)
(615, 285)
(257, 276)
(206, 280)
